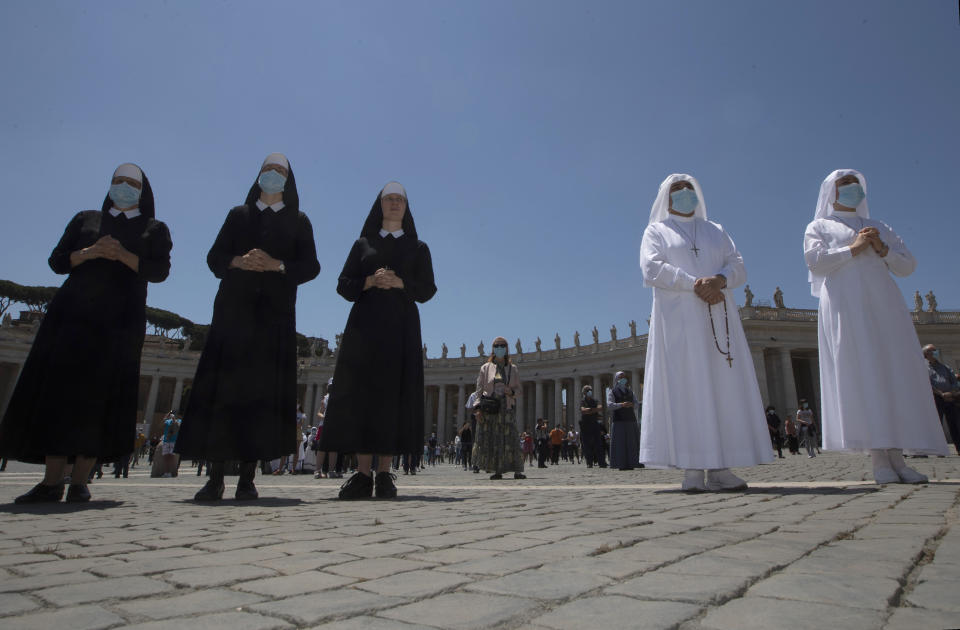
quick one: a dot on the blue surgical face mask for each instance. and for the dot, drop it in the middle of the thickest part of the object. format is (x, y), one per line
(500, 352)
(850, 195)
(271, 182)
(936, 355)
(684, 200)
(589, 392)
(622, 382)
(123, 195)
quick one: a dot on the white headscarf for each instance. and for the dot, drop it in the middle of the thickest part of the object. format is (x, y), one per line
(661, 207)
(828, 195)
(129, 170)
(393, 188)
(276, 158)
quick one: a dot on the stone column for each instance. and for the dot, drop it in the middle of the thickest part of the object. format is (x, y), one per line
(177, 394)
(789, 384)
(538, 404)
(317, 399)
(557, 400)
(151, 407)
(574, 403)
(519, 416)
(760, 367)
(441, 413)
(461, 401)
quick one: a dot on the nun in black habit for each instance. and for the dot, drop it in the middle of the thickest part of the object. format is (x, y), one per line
(377, 405)
(243, 404)
(76, 399)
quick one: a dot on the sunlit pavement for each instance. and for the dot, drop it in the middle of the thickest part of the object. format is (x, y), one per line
(812, 543)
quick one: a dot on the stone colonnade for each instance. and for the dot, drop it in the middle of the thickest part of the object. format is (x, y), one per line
(783, 347)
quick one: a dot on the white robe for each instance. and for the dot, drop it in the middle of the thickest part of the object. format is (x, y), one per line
(698, 412)
(873, 378)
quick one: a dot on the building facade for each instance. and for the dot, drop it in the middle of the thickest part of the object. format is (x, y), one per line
(783, 345)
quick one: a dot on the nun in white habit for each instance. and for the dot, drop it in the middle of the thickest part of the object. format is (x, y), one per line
(701, 403)
(874, 384)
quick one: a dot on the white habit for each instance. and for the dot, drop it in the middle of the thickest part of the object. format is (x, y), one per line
(698, 411)
(873, 378)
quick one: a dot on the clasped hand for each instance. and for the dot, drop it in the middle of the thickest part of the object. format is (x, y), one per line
(256, 260)
(384, 278)
(710, 290)
(869, 236)
(105, 247)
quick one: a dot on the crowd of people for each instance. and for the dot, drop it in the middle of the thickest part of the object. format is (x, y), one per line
(700, 411)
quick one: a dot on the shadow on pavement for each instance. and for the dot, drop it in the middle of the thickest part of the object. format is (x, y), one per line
(233, 503)
(781, 491)
(430, 498)
(59, 508)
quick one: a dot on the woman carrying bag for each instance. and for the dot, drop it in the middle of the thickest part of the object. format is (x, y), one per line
(497, 446)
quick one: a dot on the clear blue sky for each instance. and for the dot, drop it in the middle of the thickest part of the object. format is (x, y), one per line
(531, 137)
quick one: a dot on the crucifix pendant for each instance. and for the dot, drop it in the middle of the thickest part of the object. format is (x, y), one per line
(695, 250)
(729, 361)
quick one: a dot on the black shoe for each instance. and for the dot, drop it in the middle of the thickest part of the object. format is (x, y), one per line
(519, 476)
(383, 485)
(77, 493)
(246, 491)
(413, 472)
(212, 491)
(42, 494)
(358, 486)
(496, 476)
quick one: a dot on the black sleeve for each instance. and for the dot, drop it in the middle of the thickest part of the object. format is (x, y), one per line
(350, 285)
(305, 266)
(59, 259)
(221, 253)
(421, 287)
(155, 259)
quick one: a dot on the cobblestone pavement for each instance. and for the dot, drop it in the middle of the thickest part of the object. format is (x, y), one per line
(811, 544)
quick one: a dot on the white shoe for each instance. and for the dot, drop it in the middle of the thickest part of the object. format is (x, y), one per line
(722, 480)
(904, 472)
(693, 481)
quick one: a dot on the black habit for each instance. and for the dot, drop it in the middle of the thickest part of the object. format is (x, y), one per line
(377, 403)
(243, 403)
(77, 392)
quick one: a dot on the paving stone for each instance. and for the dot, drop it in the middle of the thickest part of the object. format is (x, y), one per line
(309, 609)
(298, 584)
(706, 589)
(920, 619)
(414, 584)
(220, 621)
(711, 564)
(206, 577)
(373, 568)
(193, 603)
(20, 584)
(370, 623)
(290, 565)
(541, 584)
(851, 589)
(939, 595)
(12, 603)
(613, 611)
(496, 565)
(760, 613)
(99, 590)
(461, 611)
(19, 559)
(61, 566)
(76, 618)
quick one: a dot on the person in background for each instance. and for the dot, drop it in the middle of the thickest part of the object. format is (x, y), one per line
(624, 429)
(497, 446)
(591, 429)
(773, 425)
(805, 424)
(946, 392)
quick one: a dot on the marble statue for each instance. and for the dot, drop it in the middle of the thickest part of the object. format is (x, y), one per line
(931, 302)
(596, 335)
(480, 351)
(778, 298)
(613, 333)
(917, 302)
(748, 296)
(537, 344)
(519, 347)
(443, 351)
(556, 340)
(576, 338)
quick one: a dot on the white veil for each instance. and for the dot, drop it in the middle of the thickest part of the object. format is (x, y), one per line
(828, 194)
(661, 207)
